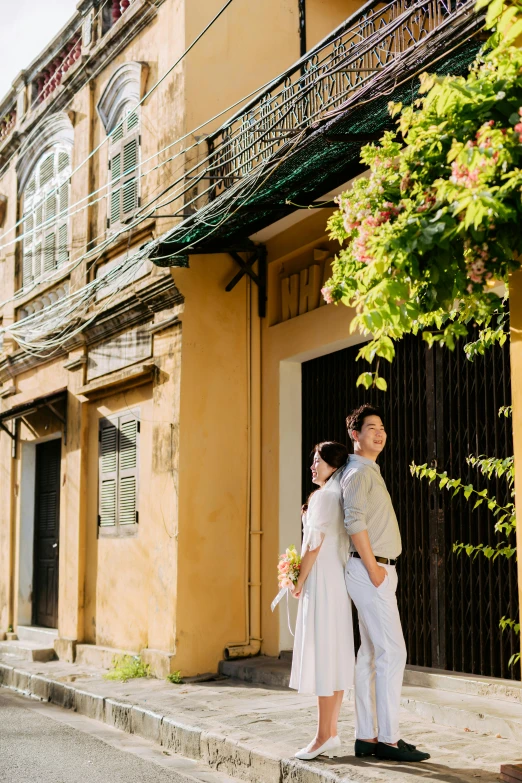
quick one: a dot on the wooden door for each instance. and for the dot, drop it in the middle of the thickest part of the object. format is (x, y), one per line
(46, 533)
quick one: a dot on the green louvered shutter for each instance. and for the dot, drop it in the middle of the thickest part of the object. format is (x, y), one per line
(128, 470)
(123, 174)
(108, 473)
(118, 471)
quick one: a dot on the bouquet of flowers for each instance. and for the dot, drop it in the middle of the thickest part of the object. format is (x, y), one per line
(288, 567)
(287, 575)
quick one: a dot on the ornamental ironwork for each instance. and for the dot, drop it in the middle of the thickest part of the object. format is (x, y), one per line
(318, 85)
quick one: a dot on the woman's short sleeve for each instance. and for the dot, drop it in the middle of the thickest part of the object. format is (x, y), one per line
(312, 538)
(322, 518)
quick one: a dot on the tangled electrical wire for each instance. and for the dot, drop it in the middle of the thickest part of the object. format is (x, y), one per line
(47, 332)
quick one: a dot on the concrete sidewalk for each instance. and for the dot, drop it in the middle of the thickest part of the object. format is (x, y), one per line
(251, 732)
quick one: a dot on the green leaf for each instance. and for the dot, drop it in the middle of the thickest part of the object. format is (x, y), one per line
(381, 383)
(365, 379)
(514, 31)
(494, 11)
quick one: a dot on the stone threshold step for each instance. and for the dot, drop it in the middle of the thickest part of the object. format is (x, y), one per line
(457, 709)
(265, 670)
(28, 651)
(36, 633)
(460, 711)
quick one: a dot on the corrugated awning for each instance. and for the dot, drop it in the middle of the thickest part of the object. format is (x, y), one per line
(31, 406)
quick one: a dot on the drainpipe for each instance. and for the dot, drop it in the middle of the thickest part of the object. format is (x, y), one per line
(252, 644)
(302, 27)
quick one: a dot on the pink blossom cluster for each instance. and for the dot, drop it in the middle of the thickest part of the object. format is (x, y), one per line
(429, 201)
(462, 175)
(477, 257)
(327, 293)
(362, 219)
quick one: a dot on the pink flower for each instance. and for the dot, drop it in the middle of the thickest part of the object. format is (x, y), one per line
(518, 127)
(327, 295)
(283, 567)
(286, 582)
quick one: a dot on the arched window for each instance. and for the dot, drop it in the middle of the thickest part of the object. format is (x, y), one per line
(45, 215)
(44, 171)
(119, 112)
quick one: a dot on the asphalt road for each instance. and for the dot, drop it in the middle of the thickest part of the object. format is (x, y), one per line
(41, 743)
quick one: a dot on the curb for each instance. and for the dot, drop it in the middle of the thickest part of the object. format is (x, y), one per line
(219, 753)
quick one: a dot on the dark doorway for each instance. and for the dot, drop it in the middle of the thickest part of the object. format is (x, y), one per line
(439, 408)
(46, 534)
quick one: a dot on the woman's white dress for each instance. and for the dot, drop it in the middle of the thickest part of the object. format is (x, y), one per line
(324, 658)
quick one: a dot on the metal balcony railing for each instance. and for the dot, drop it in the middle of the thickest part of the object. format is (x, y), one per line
(323, 81)
(313, 88)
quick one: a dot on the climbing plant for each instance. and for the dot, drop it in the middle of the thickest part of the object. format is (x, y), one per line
(433, 229)
(430, 233)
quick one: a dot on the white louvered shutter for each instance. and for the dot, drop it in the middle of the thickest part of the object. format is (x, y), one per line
(108, 473)
(49, 253)
(128, 470)
(46, 220)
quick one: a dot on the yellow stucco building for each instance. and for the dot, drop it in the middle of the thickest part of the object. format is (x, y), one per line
(155, 431)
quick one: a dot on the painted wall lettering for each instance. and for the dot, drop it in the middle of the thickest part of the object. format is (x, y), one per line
(301, 292)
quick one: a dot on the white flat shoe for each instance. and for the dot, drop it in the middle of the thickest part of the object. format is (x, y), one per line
(329, 748)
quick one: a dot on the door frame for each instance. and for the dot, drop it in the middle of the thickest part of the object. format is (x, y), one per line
(26, 542)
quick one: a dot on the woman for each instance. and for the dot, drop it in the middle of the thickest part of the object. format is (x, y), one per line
(323, 661)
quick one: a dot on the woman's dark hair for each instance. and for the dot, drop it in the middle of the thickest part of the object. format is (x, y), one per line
(333, 453)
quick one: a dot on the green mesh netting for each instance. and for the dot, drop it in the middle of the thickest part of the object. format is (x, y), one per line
(315, 167)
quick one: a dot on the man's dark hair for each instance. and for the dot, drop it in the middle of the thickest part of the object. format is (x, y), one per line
(356, 418)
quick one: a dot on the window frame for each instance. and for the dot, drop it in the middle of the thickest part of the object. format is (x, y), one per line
(40, 250)
(118, 529)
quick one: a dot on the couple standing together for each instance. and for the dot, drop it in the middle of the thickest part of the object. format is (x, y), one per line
(351, 542)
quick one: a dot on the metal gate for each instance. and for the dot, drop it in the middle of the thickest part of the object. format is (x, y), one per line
(439, 408)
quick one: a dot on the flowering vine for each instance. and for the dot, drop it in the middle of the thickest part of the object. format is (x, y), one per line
(430, 234)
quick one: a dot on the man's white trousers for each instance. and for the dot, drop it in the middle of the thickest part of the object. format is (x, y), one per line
(382, 655)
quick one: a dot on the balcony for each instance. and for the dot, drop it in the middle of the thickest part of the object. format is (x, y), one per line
(112, 12)
(7, 125)
(302, 136)
(51, 76)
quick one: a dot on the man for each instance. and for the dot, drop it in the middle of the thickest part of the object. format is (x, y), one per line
(371, 580)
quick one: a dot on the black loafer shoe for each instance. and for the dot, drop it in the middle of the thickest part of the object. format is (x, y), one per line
(363, 748)
(391, 753)
(406, 745)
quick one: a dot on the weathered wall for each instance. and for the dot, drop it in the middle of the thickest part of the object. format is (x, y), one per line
(212, 464)
(322, 18)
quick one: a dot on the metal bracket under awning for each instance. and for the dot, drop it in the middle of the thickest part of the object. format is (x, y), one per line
(18, 412)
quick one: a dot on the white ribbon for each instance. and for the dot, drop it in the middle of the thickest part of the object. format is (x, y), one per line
(279, 597)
